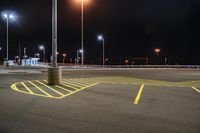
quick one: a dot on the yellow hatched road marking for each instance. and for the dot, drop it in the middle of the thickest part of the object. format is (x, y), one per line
(80, 89)
(40, 89)
(70, 84)
(86, 80)
(76, 82)
(27, 88)
(196, 89)
(83, 82)
(49, 87)
(138, 95)
(13, 86)
(63, 88)
(60, 87)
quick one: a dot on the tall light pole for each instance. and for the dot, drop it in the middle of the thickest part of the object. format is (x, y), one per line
(77, 55)
(64, 56)
(7, 16)
(42, 47)
(54, 72)
(0, 49)
(101, 38)
(54, 33)
(82, 31)
(157, 51)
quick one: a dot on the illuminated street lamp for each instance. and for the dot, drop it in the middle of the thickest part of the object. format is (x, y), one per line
(157, 51)
(42, 48)
(38, 55)
(64, 56)
(77, 54)
(101, 38)
(82, 29)
(8, 16)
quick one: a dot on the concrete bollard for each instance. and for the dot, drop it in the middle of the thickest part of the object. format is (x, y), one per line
(54, 75)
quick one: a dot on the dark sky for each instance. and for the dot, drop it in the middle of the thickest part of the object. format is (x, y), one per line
(132, 28)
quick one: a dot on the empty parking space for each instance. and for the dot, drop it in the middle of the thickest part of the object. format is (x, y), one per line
(91, 101)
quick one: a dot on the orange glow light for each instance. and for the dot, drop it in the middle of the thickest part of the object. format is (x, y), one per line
(85, 1)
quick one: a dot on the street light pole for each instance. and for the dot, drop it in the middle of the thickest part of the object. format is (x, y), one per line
(77, 58)
(44, 57)
(103, 52)
(82, 31)
(54, 33)
(101, 38)
(7, 64)
(8, 16)
(54, 72)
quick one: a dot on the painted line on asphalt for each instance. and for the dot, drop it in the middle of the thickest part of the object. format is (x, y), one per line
(85, 82)
(31, 92)
(80, 90)
(14, 87)
(194, 88)
(60, 87)
(77, 82)
(71, 84)
(74, 83)
(40, 89)
(136, 101)
(67, 85)
(49, 88)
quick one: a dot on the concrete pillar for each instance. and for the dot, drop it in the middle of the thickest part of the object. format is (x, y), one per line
(54, 75)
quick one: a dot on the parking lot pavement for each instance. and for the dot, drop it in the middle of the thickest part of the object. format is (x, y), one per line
(89, 102)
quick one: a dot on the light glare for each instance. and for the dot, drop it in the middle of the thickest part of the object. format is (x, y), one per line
(11, 16)
(100, 37)
(5, 15)
(81, 51)
(41, 47)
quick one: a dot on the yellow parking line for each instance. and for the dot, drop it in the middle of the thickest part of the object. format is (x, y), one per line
(63, 88)
(40, 89)
(59, 87)
(85, 82)
(80, 90)
(50, 88)
(72, 84)
(13, 86)
(75, 83)
(138, 95)
(196, 89)
(27, 88)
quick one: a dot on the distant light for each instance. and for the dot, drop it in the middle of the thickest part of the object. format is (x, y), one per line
(11, 16)
(41, 47)
(81, 50)
(100, 37)
(83, 0)
(64, 55)
(5, 15)
(157, 50)
(0, 48)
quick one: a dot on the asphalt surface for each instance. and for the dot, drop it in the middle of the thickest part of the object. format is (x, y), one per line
(167, 103)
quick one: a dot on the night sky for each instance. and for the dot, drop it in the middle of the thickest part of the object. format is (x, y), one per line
(132, 28)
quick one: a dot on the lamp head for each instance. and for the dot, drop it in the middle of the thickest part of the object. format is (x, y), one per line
(100, 37)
